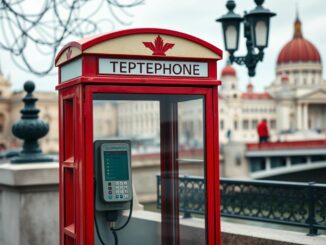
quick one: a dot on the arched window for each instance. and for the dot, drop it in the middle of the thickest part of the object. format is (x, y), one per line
(235, 125)
(222, 124)
(2, 122)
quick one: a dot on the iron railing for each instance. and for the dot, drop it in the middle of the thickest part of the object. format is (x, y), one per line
(288, 203)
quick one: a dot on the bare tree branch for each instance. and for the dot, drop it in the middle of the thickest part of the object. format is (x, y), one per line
(29, 26)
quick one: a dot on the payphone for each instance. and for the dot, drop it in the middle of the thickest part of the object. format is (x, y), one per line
(112, 183)
(134, 65)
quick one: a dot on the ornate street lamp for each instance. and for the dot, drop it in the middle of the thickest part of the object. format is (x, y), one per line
(256, 31)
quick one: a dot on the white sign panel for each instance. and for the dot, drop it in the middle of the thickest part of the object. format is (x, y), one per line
(153, 68)
(71, 70)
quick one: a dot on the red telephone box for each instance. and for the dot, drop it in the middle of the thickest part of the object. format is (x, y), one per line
(122, 85)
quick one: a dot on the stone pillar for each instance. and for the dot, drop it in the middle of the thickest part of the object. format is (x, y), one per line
(299, 116)
(29, 185)
(29, 204)
(305, 116)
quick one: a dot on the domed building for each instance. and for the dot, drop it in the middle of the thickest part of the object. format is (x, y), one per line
(240, 112)
(294, 101)
(299, 89)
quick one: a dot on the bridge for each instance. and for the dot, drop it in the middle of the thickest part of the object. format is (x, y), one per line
(289, 161)
(297, 160)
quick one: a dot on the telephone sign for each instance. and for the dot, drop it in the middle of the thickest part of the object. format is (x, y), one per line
(153, 68)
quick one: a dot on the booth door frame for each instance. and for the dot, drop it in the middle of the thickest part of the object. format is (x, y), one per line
(211, 155)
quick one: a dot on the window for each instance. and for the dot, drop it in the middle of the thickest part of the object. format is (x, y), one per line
(254, 124)
(245, 124)
(257, 164)
(235, 125)
(318, 158)
(233, 86)
(238, 161)
(298, 160)
(2, 122)
(222, 124)
(272, 124)
(277, 162)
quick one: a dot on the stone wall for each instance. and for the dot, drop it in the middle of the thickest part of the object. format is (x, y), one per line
(29, 204)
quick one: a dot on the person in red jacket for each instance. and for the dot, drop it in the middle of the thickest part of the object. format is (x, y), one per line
(262, 130)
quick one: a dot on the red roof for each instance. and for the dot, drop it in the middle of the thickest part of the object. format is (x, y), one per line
(228, 71)
(298, 49)
(85, 43)
(287, 145)
(256, 96)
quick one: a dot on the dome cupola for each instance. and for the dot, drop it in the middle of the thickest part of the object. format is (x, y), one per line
(228, 70)
(298, 49)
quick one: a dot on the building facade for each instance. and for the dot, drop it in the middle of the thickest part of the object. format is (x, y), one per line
(293, 104)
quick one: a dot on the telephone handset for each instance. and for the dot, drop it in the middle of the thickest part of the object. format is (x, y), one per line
(112, 165)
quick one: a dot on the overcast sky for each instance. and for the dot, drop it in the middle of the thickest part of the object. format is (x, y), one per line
(198, 18)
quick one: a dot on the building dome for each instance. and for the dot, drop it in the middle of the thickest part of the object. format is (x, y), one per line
(228, 71)
(298, 49)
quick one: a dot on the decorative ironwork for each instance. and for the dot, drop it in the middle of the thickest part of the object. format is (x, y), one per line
(191, 195)
(288, 203)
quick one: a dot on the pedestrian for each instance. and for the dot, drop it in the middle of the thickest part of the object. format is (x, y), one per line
(262, 130)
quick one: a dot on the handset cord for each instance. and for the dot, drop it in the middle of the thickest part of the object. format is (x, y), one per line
(114, 230)
(127, 221)
(96, 225)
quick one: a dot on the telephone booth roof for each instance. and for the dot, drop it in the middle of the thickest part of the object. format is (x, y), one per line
(141, 42)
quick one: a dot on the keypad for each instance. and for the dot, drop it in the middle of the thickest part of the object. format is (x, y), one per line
(118, 190)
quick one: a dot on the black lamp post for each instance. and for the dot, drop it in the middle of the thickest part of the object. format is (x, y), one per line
(256, 31)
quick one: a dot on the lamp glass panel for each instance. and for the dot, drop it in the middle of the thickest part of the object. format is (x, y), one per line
(261, 33)
(231, 37)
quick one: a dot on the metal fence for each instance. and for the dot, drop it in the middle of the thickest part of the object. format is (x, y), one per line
(288, 203)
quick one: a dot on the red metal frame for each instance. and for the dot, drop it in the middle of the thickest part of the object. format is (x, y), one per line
(76, 137)
(212, 216)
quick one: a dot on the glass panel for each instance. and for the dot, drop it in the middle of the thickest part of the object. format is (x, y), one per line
(277, 162)
(231, 37)
(298, 160)
(257, 164)
(138, 120)
(168, 166)
(191, 161)
(318, 158)
(261, 34)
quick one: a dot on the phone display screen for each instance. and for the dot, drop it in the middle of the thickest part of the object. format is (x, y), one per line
(116, 165)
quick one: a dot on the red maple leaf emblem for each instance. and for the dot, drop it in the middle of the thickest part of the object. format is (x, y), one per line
(68, 53)
(158, 47)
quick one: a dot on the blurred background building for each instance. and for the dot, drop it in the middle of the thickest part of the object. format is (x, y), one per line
(10, 106)
(293, 104)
